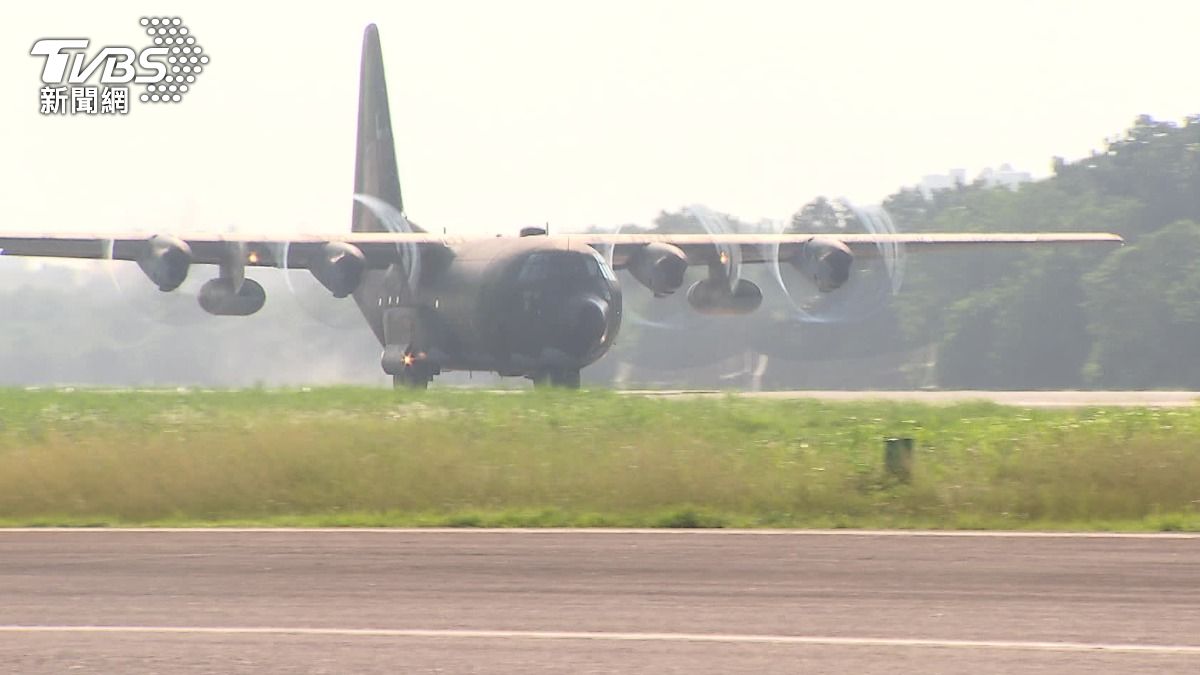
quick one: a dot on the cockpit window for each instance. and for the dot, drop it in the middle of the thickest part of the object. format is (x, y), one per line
(536, 268)
(562, 266)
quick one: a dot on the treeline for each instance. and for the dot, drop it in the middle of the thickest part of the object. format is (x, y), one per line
(1129, 318)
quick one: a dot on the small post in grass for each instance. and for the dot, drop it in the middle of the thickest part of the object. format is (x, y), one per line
(898, 457)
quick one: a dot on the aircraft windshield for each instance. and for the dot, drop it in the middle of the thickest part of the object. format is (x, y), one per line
(561, 266)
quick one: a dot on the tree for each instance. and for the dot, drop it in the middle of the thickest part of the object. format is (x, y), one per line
(1144, 309)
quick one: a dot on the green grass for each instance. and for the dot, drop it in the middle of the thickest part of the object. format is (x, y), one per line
(368, 457)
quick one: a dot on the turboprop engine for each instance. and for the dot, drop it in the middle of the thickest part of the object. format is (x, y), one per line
(166, 261)
(659, 267)
(339, 267)
(826, 261)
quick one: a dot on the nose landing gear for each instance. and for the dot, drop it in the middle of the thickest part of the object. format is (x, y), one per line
(409, 369)
(414, 377)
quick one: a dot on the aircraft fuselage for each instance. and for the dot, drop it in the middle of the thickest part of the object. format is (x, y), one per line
(532, 306)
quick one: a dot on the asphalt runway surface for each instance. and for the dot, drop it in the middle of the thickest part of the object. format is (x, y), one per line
(1023, 399)
(486, 601)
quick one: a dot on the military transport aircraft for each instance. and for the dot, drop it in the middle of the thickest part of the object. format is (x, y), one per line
(538, 306)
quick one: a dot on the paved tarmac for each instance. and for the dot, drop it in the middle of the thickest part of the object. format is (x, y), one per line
(479, 601)
(1023, 399)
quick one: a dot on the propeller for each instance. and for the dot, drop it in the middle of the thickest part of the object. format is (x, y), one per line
(314, 300)
(641, 307)
(407, 268)
(666, 319)
(317, 302)
(716, 224)
(167, 289)
(872, 279)
(169, 296)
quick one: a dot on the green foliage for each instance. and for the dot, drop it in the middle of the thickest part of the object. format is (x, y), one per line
(1067, 320)
(1144, 303)
(1155, 163)
(1028, 332)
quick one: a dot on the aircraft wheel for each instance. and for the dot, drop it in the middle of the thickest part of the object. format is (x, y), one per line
(412, 378)
(567, 379)
(562, 378)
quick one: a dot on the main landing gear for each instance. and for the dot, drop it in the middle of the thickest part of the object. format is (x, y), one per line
(562, 378)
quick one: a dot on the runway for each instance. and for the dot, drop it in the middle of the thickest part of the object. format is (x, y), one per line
(1022, 399)
(479, 601)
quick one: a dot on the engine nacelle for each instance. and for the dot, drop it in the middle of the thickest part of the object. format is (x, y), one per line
(218, 297)
(713, 297)
(659, 267)
(166, 261)
(339, 267)
(826, 261)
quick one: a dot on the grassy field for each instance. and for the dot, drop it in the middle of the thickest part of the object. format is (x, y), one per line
(457, 458)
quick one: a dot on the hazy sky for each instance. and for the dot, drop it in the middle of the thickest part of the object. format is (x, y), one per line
(580, 113)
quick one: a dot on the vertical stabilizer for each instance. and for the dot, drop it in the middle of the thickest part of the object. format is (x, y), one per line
(375, 171)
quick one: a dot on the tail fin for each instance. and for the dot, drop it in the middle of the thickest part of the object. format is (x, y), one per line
(375, 171)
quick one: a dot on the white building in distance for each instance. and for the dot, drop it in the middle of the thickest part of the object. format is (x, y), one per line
(935, 182)
(1005, 176)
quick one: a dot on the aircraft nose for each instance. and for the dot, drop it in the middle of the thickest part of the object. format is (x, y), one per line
(590, 325)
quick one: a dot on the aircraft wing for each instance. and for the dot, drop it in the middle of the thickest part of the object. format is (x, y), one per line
(379, 248)
(759, 248)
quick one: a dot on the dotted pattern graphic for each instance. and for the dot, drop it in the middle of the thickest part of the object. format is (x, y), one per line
(185, 60)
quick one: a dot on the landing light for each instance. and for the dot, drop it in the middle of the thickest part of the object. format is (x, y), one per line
(409, 359)
(252, 258)
(724, 258)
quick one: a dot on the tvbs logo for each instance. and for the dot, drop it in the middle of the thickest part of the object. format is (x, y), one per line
(167, 69)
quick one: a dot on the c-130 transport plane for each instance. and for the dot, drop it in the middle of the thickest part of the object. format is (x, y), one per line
(539, 306)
